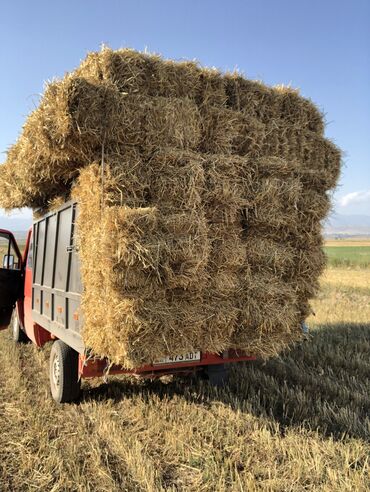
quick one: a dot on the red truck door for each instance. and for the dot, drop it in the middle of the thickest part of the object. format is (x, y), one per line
(11, 277)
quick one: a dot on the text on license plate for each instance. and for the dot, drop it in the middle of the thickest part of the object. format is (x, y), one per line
(172, 359)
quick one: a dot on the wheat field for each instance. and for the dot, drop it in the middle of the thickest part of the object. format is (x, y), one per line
(297, 422)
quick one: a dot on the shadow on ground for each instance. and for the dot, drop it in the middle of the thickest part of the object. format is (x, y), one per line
(322, 384)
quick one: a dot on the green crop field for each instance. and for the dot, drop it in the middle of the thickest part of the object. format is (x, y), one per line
(348, 254)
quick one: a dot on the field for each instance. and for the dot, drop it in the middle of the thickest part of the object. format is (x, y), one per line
(350, 253)
(297, 422)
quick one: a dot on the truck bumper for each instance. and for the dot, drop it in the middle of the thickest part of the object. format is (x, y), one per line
(90, 368)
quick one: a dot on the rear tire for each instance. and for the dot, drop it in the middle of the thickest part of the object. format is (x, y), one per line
(217, 375)
(65, 384)
(18, 334)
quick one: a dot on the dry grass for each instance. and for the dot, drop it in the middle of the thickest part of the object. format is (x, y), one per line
(347, 242)
(297, 422)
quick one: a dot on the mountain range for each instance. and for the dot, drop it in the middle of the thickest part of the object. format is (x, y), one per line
(347, 225)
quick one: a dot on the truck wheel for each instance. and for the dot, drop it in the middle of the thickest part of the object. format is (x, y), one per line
(65, 384)
(18, 334)
(217, 374)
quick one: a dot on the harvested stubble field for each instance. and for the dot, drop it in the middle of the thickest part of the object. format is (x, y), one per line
(297, 422)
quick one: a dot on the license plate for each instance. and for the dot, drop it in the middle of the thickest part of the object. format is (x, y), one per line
(175, 359)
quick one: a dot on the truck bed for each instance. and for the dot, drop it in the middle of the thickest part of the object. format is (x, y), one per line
(56, 280)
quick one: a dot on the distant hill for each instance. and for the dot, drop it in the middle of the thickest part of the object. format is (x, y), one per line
(347, 225)
(18, 226)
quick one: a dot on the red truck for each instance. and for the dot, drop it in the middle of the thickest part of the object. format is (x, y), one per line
(40, 298)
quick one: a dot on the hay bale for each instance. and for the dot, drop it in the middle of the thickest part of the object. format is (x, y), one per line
(212, 88)
(269, 316)
(265, 255)
(148, 74)
(73, 122)
(295, 109)
(279, 104)
(275, 203)
(79, 116)
(253, 97)
(220, 129)
(133, 72)
(200, 197)
(175, 179)
(139, 254)
(184, 250)
(228, 186)
(228, 247)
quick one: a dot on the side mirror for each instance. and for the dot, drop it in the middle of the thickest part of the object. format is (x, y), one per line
(8, 262)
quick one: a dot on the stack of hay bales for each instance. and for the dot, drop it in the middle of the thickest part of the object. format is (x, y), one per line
(200, 195)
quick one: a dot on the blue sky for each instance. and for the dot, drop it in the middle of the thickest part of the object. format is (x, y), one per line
(322, 47)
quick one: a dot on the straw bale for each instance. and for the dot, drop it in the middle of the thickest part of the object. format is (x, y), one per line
(316, 179)
(171, 250)
(184, 250)
(77, 117)
(200, 198)
(275, 166)
(103, 247)
(80, 116)
(130, 70)
(319, 179)
(228, 247)
(176, 179)
(268, 314)
(13, 193)
(265, 255)
(227, 283)
(141, 73)
(313, 206)
(170, 122)
(228, 187)
(276, 203)
(227, 263)
(312, 150)
(251, 136)
(125, 179)
(278, 104)
(73, 122)
(136, 242)
(176, 80)
(133, 72)
(212, 88)
(253, 97)
(220, 129)
(225, 131)
(295, 109)
(310, 263)
(27, 180)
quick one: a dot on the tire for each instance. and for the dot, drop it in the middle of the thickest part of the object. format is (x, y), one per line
(217, 375)
(18, 334)
(65, 384)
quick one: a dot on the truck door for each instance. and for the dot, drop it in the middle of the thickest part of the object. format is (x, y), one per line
(11, 277)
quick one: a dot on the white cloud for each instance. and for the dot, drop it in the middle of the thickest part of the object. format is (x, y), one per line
(355, 197)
